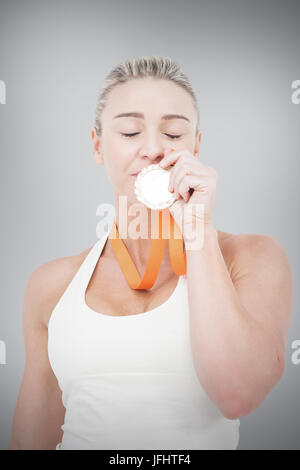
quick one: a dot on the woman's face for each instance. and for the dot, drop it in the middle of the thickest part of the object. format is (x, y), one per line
(150, 134)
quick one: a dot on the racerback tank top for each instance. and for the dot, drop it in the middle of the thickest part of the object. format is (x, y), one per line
(128, 382)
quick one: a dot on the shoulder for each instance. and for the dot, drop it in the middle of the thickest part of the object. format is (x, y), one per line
(256, 253)
(262, 276)
(47, 283)
(263, 251)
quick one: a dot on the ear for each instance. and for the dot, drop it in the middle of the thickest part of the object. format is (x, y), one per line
(97, 150)
(197, 146)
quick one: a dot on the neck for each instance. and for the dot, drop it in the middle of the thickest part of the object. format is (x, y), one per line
(137, 232)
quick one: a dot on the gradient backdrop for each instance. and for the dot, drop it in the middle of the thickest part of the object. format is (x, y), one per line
(241, 58)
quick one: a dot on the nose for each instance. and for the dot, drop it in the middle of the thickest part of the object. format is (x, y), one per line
(154, 155)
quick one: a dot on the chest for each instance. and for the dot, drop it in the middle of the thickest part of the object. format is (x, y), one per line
(111, 298)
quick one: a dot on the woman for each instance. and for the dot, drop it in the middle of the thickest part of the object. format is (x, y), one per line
(174, 366)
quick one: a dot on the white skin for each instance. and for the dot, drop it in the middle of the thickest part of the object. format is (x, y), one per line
(123, 156)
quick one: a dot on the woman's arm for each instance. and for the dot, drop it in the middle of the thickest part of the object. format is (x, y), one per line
(239, 320)
(39, 412)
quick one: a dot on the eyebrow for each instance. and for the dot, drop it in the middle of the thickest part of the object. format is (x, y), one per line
(141, 116)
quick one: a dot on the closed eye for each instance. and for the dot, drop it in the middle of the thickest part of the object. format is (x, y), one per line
(169, 135)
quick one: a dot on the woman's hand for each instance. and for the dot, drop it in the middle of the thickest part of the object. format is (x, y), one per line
(194, 184)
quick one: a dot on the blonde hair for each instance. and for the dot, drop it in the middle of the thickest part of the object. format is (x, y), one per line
(146, 66)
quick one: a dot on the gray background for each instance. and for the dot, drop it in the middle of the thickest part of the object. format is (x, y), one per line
(241, 58)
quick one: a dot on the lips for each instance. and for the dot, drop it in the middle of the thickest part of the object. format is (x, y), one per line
(135, 174)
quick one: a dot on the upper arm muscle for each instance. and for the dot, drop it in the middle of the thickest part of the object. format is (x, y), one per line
(263, 280)
(39, 411)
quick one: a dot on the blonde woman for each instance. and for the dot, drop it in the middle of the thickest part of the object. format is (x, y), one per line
(174, 366)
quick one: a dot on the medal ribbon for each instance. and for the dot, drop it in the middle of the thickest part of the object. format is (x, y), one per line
(176, 251)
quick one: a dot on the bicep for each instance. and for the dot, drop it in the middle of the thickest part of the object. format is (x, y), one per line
(263, 280)
(39, 412)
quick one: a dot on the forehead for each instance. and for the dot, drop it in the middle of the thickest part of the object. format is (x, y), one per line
(149, 96)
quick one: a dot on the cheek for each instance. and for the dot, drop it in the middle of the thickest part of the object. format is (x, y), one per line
(118, 153)
(118, 160)
(117, 166)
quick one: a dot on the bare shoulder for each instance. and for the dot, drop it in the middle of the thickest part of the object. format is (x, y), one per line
(254, 248)
(48, 282)
(256, 253)
(261, 273)
(222, 236)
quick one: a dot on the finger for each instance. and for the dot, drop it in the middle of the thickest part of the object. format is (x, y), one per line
(186, 168)
(175, 180)
(190, 182)
(170, 158)
(182, 191)
(181, 168)
(185, 196)
(184, 187)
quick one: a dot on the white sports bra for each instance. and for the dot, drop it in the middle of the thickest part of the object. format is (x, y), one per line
(128, 382)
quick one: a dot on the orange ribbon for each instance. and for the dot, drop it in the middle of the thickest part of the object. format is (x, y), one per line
(176, 251)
